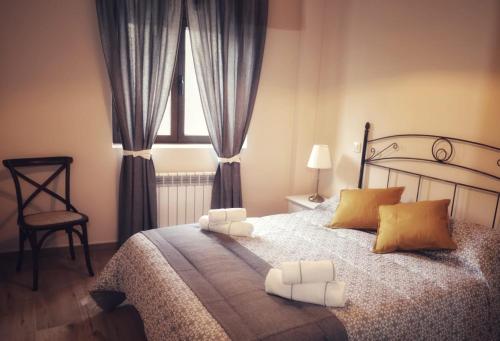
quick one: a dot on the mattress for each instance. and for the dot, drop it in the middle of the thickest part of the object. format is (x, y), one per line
(419, 296)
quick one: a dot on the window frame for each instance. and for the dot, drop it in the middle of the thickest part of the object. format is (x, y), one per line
(177, 114)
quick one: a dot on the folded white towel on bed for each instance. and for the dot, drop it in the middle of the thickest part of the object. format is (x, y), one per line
(233, 228)
(203, 221)
(227, 214)
(330, 294)
(308, 271)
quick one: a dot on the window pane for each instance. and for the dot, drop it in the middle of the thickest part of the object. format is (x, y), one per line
(165, 126)
(194, 121)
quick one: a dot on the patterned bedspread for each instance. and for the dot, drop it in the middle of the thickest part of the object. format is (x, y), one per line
(419, 296)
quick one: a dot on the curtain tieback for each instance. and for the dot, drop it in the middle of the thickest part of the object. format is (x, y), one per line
(145, 153)
(232, 159)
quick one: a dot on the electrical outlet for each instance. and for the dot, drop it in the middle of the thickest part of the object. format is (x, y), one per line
(356, 147)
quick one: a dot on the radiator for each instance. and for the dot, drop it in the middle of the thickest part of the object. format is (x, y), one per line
(183, 197)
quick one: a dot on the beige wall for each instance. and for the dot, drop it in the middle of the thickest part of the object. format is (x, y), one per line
(302, 179)
(54, 99)
(408, 67)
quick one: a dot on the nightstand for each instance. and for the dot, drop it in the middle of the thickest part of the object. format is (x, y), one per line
(298, 203)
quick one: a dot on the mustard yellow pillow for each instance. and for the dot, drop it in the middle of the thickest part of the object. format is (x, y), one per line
(414, 226)
(358, 208)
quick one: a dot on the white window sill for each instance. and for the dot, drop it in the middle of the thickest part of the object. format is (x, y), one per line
(180, 146)
(173, 146)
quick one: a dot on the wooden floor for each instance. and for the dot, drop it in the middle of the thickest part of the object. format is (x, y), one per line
(61, 309)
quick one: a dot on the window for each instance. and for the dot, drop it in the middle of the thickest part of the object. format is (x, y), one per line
(183, 121)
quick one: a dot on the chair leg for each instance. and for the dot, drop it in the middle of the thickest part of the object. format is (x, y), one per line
(86, 249)
(20, 254)
(69, 231)
(34, 252)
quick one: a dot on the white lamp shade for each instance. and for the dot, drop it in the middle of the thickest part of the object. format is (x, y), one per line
(320, 157)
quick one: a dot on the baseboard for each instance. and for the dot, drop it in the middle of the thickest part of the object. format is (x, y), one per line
(64, 250)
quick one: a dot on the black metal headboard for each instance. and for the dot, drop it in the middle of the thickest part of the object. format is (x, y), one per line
(441, 153)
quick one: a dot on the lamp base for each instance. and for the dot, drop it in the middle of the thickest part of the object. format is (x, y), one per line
(316, 198)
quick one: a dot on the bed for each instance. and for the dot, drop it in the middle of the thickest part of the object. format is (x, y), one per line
(428, 295)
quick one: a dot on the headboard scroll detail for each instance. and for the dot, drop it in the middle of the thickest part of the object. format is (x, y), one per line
(442, 152)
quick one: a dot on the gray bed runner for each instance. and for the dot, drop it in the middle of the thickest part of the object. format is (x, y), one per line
(228, 279)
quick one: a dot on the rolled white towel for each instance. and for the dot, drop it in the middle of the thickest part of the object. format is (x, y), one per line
(330, 294)
(236, 228)
(308, 271)
(203, 221)
(227, 214)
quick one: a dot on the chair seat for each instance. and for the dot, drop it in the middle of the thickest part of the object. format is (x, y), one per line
(43, 219)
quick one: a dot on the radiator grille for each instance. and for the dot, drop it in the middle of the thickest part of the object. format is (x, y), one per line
(183, 196)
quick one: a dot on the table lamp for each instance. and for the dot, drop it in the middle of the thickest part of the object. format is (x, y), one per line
(319, 159)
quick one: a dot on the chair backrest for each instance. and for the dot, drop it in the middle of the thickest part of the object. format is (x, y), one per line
(64, 165)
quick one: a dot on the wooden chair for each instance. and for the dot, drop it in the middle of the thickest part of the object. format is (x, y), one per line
(46, 222)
